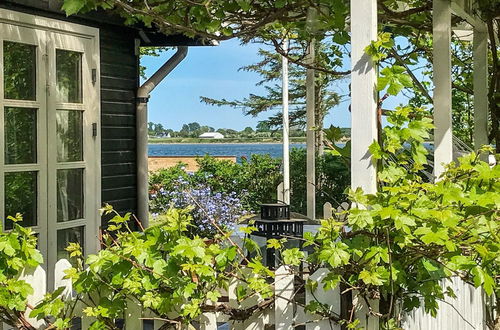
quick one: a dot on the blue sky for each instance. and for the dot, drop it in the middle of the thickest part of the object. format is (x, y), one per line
(213, 72)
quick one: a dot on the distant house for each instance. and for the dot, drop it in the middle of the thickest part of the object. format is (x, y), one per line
(211, 135)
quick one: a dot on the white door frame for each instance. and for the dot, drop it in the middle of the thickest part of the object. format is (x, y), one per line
(49, 34)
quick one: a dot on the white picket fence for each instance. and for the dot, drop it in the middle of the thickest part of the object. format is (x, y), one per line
(284, 312)
(465, 312)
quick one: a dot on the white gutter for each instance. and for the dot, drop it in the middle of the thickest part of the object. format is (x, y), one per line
(142, 131)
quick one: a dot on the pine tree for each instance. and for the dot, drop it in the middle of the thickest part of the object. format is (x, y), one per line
(269, 68)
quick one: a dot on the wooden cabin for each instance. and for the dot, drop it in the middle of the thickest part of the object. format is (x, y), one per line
(68, 119)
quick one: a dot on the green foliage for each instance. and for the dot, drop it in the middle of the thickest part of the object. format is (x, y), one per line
(332, 179)
(173, 275)
(410, 235)
(253, 180)
(207, 20)
(378, 48)
(72, 7)
(56, 307)
(166, 178)
(18, 255)
(394, 79)
(334, 134)
(403, 140)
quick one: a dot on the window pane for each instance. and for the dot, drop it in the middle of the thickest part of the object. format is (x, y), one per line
(20, 136)
(21, 197)
(69, 76)
(69, 194)
(19, 71)
(69, 135)
(66, 236)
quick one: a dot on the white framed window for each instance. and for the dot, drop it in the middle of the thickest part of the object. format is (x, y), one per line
(49, 114)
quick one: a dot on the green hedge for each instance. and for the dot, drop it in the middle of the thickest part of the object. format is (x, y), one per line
(332, 179)
(255, 179)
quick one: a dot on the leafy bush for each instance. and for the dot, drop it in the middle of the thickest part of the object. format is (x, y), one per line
(403, 240)
(166, 179)
(164, 269)
(18, 254)
(332, 179)
(253, 181)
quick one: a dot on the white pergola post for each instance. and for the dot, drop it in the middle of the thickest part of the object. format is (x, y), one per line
(286, 128)
(310, 125)
(310, 138)
(443, 136)
(480, 46)
(363, 95)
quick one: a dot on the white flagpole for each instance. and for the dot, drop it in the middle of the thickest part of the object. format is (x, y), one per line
(286, 127)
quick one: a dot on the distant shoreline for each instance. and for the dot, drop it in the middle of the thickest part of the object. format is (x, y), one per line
(221, 141)
(225, 141)
(277, 142)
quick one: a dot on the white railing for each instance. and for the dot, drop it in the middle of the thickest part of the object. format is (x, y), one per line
(465, 312)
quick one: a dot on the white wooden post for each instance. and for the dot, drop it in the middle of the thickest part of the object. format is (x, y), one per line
(286, 127)
(37, 278)
(280, 192)
(327, 210)
(310, 142)
(362, 312)
(443, 135)
(467, 311)
(363, 95)
(330, 298)
(342, 216)
(60, 280)
(208, 321)
(364, 29)
(283, 306)
(480, 45)
(256, 322)
(310, 124)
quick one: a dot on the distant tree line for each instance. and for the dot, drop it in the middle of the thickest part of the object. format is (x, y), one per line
(194, 130)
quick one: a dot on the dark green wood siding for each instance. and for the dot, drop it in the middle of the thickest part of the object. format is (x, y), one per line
(119, 82)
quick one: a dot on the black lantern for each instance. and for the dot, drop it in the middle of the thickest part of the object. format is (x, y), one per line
(275, 222)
